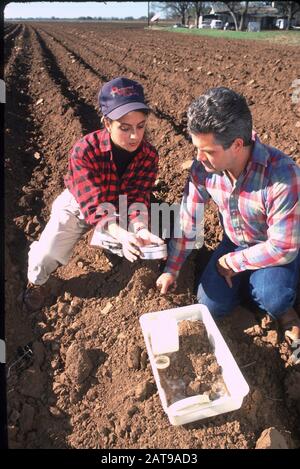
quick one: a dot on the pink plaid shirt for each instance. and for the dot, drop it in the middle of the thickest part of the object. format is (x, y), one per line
(260, 212)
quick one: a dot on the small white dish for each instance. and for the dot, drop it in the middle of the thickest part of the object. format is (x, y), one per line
(154, 251)
(162, 362)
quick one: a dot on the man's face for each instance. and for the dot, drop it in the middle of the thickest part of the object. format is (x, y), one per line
(213, 156)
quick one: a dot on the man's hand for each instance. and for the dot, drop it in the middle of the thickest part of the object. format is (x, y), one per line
(225, 270)
(164, 282)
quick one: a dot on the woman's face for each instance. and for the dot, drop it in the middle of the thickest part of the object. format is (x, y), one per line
(128, 131)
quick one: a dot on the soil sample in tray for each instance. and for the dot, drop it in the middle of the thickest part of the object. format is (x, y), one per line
(193, 369)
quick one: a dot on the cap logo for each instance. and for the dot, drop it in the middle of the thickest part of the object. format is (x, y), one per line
(127, 91)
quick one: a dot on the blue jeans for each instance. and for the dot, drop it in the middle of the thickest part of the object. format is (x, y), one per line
(273, 289)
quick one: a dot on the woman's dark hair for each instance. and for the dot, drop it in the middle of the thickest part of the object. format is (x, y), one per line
(222, 112)
(146, 112)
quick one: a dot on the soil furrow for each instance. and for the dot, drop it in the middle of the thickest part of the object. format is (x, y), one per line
(11, 43)
(179, 128)
(19, 131)
(53, 111)
(37, 191)
(79, 58)
(122, 66)
(86, 114)
(199, 77)
(13, 31)
(86, 92)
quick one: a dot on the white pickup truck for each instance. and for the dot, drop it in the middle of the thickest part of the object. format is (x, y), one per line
(216, 24)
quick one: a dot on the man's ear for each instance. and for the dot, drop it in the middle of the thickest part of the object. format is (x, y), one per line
(238, 144)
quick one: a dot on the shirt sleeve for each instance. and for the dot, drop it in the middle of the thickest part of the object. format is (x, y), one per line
(191, 221)
(283, 219)
(86, 185)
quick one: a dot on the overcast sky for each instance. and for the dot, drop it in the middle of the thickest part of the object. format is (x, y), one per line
(74, 10)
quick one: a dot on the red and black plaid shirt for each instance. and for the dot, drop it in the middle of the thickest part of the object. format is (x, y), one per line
(92, 177)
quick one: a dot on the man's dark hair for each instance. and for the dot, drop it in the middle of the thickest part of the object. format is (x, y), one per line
(222, 112)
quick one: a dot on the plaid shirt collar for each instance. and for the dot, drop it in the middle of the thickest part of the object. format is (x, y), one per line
(105, 144)
(259, 153)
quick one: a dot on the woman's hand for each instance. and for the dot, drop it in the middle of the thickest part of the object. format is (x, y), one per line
(130, 242)
(130, 245)
(148, 238)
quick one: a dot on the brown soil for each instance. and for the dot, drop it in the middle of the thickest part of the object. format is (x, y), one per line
(87, 382)
(193, 368)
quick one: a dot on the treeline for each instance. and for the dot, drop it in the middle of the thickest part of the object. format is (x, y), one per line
(80, 18)
(238, 12)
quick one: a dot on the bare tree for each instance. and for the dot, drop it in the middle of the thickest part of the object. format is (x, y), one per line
(198, 8)
(243, 13)
(234, 8)
(288, 9)
(176, 9)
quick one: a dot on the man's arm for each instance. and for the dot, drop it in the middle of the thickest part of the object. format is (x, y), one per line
(283, 218)
(191, 215)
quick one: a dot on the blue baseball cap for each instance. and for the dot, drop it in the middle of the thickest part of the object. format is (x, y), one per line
(120, 96)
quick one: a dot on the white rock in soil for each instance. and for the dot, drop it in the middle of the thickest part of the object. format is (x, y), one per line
(107, 308)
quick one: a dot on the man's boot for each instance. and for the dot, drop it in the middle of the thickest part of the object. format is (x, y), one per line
(290, 324)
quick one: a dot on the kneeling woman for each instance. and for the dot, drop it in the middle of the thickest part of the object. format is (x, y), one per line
(105, 164)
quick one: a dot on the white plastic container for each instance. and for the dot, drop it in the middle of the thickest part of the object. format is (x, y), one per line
(164, 334)
(196, 407)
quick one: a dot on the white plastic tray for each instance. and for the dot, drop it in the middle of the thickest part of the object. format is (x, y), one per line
(193, 408)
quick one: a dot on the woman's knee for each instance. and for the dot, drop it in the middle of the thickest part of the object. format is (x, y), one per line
(55, 245)
(40, 255)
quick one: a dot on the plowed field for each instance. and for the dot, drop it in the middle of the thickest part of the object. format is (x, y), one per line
(88, 382)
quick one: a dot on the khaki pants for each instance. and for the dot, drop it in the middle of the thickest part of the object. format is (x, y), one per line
(64, 228)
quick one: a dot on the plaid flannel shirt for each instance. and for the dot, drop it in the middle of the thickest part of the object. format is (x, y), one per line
(260, 212)
(93, 180)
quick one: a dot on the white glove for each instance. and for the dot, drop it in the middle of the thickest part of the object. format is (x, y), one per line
(148, 238)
